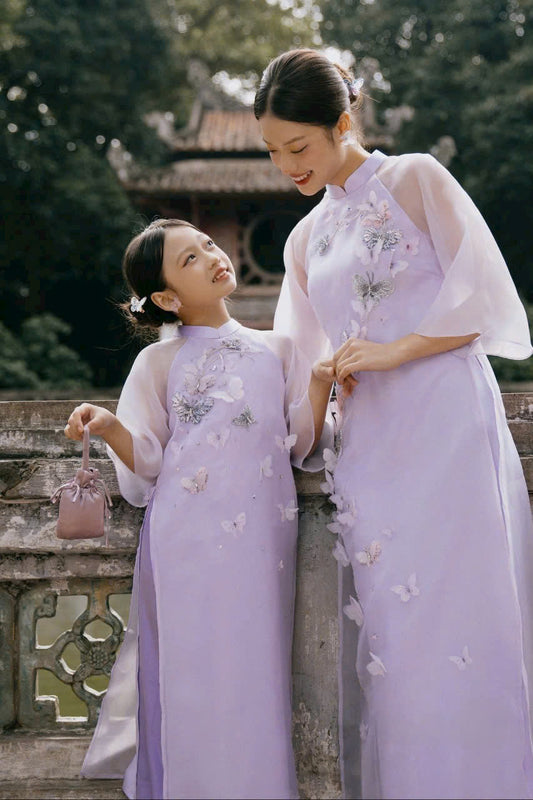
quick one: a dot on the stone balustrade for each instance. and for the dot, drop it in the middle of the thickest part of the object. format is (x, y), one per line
(63, 608)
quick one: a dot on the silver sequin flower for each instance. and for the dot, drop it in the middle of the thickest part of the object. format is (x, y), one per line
(233, 344)
(245, 418)
(371, 292)
(322, 245)
(191, 409)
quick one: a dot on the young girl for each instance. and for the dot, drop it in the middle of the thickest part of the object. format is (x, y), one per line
(395, 273)
(199, 702)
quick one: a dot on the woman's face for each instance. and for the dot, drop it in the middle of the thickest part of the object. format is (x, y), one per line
(306, 153)
(195, 269)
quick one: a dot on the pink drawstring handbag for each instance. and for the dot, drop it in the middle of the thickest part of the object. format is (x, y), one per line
(83, 501)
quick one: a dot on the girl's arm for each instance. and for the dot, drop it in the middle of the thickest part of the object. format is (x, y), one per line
(360, 355)
(322, 378)
(102, 422)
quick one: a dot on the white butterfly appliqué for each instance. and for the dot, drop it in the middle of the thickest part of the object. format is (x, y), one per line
(340, 554)
(286, 443)
(370, 554)
(236, 526)
(234, 390)
(288, 513)
(354, 611)
(462, 661)
(196, 484)
(218, 440)
(330, 460)
(409, 590)
(376, 666)
(265, 468)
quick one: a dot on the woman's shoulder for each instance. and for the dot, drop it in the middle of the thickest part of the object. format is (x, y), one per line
(304, 225)
(417, 166)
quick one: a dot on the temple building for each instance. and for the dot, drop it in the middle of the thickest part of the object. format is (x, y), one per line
(219, 176)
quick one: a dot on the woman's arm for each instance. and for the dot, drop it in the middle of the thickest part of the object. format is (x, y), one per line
(102, 422)
(359, 355)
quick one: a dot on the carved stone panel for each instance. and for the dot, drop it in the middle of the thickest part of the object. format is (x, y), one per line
(95, 656)
(7, 640)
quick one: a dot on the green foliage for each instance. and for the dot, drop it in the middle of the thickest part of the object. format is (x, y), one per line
(511, 371)
(37, 359)
(77, 77)
(240, 36)
(465, 69)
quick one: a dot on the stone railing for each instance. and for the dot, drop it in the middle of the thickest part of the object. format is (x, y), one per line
(63, 606)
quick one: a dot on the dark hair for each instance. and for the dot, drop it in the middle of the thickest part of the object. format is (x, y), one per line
(304, 86)
(142, 267)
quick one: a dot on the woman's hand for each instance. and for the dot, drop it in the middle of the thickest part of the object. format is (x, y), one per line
(99, 420)
(359, 355)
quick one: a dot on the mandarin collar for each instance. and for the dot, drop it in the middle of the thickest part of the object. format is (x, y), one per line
(358, 177)
(205, 332)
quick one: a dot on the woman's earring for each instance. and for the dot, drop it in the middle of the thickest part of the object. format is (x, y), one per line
(176, 305)
(346, 138)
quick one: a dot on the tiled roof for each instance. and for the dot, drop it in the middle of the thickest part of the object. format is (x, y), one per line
(211, 176)
(222, 131)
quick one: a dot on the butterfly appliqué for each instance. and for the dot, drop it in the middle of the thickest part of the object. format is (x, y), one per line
(376, 666)
(265, 468)
(409, 590)
(196, 484)
(370, 554)
(288, 513)
(235, 526)
(245, 419)
(340, 554)
(192, 409)
(378, 239)
(462, 661)
(371, 292)
(218, 440)
(354, 611)
(287, 443)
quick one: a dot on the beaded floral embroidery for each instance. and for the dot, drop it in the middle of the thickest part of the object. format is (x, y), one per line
(208, 379)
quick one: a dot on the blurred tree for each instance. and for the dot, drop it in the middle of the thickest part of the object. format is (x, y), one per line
(465, 69)
(237, 37)
(75, 79)
(38, 359)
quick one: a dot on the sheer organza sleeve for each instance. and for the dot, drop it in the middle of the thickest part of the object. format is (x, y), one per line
(295, 316)
(142, 408)
(477, 294)
(298, 410)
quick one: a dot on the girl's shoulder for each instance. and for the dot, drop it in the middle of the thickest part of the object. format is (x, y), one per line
(280, 344)
(157, 357)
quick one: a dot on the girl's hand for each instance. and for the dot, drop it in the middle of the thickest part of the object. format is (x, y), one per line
(324, 371)
(359, 355)
(99, 420)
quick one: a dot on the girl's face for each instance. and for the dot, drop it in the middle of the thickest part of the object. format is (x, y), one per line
(195, 270)
(306, 153)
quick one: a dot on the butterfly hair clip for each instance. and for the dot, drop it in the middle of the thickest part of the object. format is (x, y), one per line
(354, 87)
(136, 305)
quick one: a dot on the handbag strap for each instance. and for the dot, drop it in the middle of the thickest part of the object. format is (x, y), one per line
(85, 456)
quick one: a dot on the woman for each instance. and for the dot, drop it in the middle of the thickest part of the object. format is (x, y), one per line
(395, 275)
